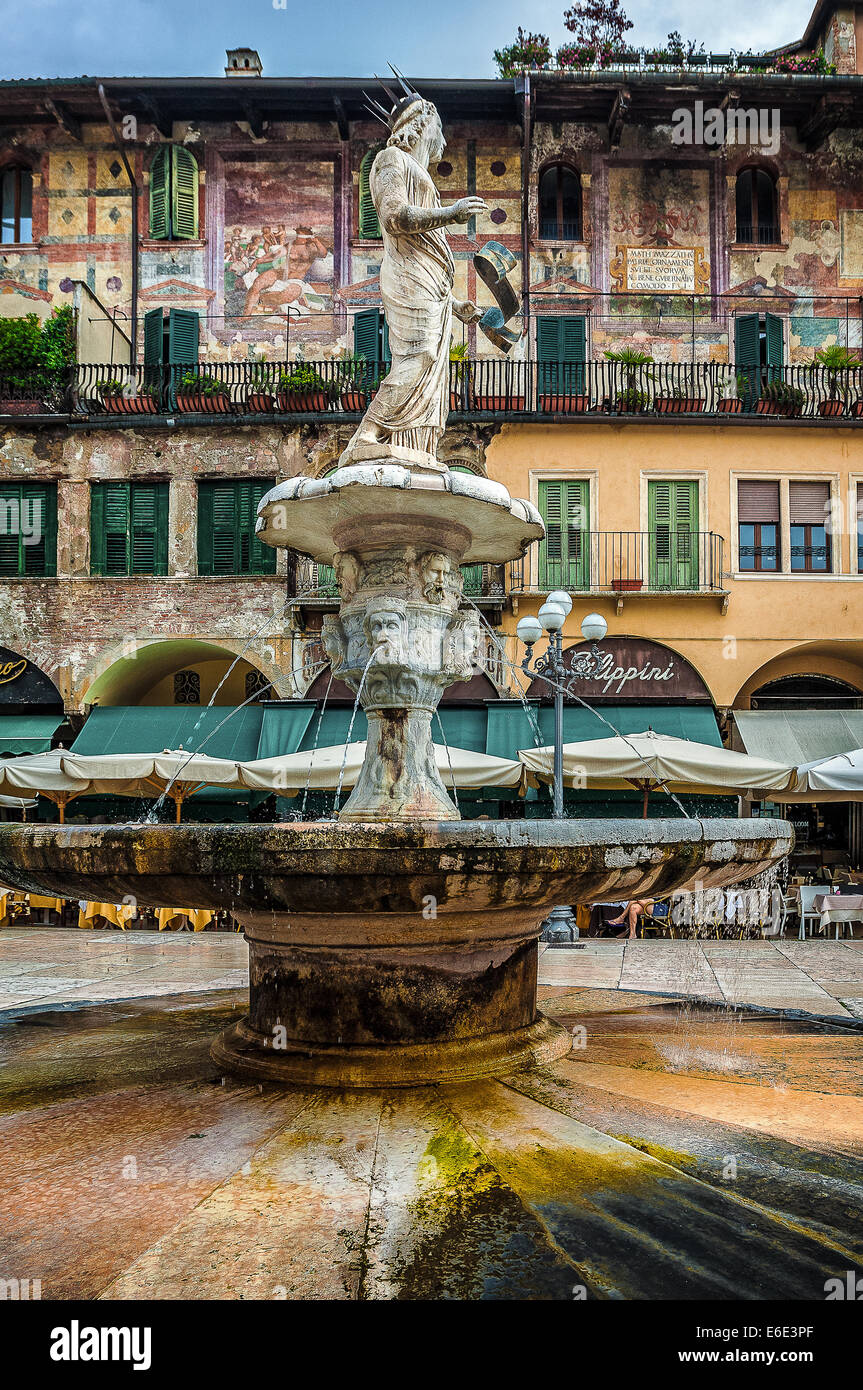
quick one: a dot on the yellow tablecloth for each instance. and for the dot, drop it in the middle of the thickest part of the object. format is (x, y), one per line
(36, 901)
(118, 914)
(198, 917)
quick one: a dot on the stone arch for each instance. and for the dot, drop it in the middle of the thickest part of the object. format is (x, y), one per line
(129, 673)
(836, 661)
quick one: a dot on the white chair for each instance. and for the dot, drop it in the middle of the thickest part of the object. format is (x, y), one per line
(808, 892)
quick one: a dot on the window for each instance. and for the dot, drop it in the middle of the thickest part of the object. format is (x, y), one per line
(371, 338)
(559, 204)
(28, 528)
(173, 194)
(759, 353)
(170, 341)
(187, 688)
(257, 685)
(757, 216)
(227, 543)
(564, 561)
(809, 509)
(758, 525)
(16, 204)
(560, 352)
(672, 509)
(860, 528)
(129, 528)
(370, 227)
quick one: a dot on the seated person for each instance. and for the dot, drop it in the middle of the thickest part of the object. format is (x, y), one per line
(628, 919)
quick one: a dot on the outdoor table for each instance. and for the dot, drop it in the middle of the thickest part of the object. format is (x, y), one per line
(118, 914)
(50, 904)
(197, 917)
(836, 908)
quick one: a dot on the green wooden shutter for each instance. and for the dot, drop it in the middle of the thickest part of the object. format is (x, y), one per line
(227, 543)
(153, 333)
(39, 501)
(109, 528)
(10, 537)
(183, 330)
(148, 526)
(184, 194)
(262, 557)
(775, 341)
(370, 227)
(160, 184)
(548, 353)
(28, 538)
(367, 338)
(672, 509)
(747, 355)
(560, 352)
(564, 560)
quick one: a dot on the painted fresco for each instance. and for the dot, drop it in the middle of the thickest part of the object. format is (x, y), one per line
(278, 241)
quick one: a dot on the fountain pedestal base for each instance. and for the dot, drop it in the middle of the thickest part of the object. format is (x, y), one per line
(400, 1015)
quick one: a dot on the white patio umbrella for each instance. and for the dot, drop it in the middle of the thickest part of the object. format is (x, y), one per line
(838, 778)
(648, 761)
(320, 770)
(60, 776)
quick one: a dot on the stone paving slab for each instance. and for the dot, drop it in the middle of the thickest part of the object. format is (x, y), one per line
(809, 976)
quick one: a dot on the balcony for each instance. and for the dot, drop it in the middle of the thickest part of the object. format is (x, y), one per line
(488, 388)
(626, 565)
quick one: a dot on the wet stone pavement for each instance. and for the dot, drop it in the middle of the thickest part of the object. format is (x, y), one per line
(679, 1150)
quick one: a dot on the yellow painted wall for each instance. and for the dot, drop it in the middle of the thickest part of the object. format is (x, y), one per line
(804, 624)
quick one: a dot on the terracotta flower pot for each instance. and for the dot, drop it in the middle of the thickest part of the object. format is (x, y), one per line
(829, 409)
(499, 403)
(766, 407)
(354, 399)
(20, 407)
(313, 402)
(627, 586)
(131, 405)
(857, 409)
(197, 403)
(730, 406)
(260, 402)
(564, 405)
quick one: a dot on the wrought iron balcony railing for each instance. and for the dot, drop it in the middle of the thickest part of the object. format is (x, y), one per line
(487, 387)
(665, 561)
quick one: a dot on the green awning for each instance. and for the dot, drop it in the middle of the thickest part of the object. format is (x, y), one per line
(334, 725)
(222, 732)
(464, 726)
(28, 733)
(800, 735)
(511, 727)
(695, 722)
(284, 727)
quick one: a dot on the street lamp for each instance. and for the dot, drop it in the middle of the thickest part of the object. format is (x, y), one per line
(550, 669)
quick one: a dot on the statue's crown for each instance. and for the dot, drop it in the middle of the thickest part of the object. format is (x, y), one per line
(399, 104)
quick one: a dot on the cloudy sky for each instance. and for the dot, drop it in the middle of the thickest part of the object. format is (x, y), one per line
(61, 38)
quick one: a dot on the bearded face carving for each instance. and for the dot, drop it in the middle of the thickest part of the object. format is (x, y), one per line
(434, 569)
(386, 626)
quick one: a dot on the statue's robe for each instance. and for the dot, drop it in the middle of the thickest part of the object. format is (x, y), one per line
(410, 409)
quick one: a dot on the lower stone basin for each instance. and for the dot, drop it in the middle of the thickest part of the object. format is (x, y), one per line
(388, 955)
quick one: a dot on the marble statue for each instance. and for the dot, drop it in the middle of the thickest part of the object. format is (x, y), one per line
(406, 418)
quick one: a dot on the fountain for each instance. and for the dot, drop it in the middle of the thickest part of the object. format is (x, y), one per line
(397, 946)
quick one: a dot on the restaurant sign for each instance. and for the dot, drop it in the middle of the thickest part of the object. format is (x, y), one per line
(628, 668)
(22, 683)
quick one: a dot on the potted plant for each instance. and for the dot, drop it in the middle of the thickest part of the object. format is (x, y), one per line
(303, 388)
(733, 405)
(835, 363)
(767, 403)
(116, 402)
(459, 377)
(260, 397)
(631, 400)
(199, 394)
(354, 371)
(780, 398)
